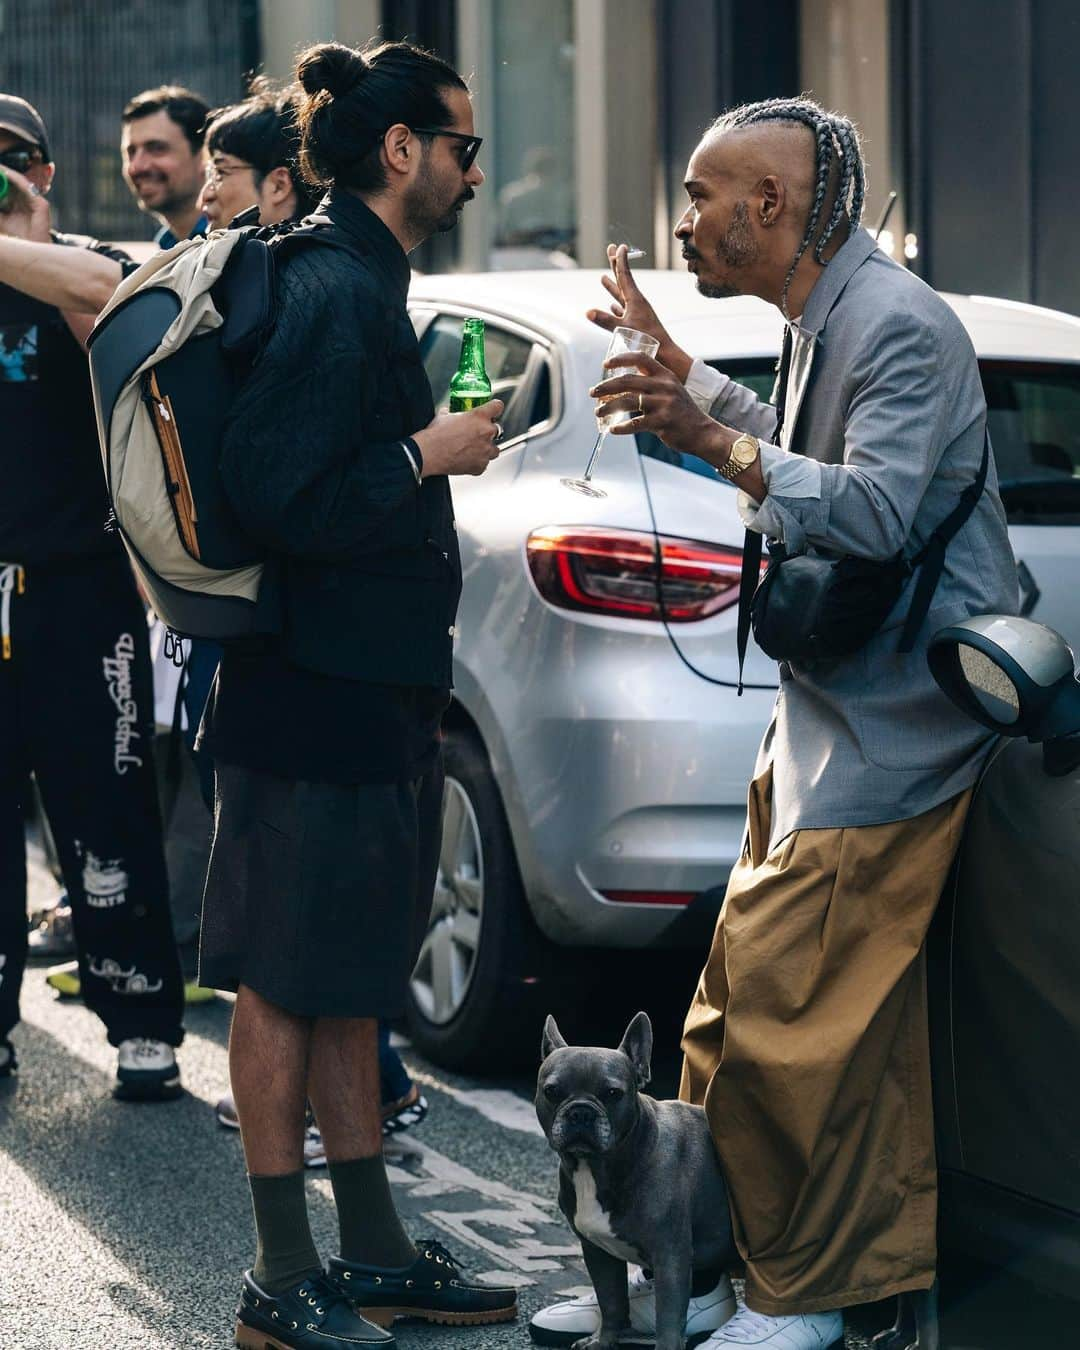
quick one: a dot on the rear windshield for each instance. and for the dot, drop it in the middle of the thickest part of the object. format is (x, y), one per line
(1034, 417)
(1034, 413)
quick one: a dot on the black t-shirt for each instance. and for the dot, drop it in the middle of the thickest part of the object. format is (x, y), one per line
(269, 715)
(53, 503)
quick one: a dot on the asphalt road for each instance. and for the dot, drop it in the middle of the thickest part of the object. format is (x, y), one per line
(126, 1226)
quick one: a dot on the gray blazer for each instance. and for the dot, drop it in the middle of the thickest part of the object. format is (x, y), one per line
(887, 400)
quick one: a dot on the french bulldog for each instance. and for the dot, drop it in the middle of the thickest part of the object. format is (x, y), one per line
(639, 1179)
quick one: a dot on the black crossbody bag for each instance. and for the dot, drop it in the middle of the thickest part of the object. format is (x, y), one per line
(813, 610)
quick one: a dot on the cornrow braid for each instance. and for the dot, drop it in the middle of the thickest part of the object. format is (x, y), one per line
(835, 141)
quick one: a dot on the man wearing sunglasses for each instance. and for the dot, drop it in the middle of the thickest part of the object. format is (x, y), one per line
(326, 738)
(75, 702)
(77, 281)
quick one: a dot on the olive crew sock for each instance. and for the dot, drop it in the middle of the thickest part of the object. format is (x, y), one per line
(371, 1232)
(285, 1252)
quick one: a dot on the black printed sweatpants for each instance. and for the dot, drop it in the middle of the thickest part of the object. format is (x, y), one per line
(76, 710)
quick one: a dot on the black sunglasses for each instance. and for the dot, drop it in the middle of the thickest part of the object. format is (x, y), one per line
(19, 160)
(471, 144)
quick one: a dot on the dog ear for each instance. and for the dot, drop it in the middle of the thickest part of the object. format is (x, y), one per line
(552, 1038)
(636, 1045)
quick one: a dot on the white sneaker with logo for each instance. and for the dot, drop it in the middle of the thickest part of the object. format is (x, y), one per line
(807, 1331)
(565, 1323)
(146, 1071)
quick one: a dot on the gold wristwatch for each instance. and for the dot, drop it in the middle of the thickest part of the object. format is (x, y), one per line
(743, 453)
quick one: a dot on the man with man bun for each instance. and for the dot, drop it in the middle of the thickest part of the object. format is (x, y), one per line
(326, 735)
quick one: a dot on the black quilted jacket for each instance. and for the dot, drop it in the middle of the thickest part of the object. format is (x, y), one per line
(367, 561)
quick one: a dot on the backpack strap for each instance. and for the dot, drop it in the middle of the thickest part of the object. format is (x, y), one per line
(930, 560)
(752, 541)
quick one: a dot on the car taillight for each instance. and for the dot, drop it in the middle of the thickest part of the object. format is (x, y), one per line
(627, 573)
(678, 898)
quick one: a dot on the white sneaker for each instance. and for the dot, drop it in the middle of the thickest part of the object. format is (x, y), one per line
(314, 1148)
(146, 1071)
(807, 1331)
(565, 1323)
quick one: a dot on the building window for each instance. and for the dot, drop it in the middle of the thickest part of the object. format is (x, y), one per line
(534, 148)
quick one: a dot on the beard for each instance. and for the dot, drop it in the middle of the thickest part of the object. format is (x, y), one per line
(427, 210)
(736, 250)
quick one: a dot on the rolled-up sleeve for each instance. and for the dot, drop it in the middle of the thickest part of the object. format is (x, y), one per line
(787, 477)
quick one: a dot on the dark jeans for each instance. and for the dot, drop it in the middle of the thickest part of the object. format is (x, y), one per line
(394, 1078)
(76, 711)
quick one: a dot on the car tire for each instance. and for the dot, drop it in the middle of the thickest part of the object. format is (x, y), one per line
(492, 1022)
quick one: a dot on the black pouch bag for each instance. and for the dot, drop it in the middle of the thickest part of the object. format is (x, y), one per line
(809, 610)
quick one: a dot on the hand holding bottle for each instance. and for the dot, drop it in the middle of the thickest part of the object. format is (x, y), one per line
(24, 209)
(461, 443)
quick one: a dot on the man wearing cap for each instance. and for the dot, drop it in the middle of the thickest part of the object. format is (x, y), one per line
(76, 708)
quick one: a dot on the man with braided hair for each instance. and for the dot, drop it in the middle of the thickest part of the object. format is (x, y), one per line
(807, 1038)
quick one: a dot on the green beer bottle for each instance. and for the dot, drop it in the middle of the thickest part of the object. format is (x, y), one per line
(5, 188)
(470, 386)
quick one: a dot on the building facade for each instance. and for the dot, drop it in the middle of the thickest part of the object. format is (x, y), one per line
(590, 109)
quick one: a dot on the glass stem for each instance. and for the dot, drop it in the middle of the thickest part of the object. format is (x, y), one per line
(592, 457)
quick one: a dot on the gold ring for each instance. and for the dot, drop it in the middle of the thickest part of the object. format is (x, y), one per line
(641, 405)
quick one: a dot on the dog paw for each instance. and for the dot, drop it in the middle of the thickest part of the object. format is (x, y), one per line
(599, 1340)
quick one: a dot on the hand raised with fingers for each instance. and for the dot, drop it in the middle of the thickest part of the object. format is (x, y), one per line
(630, 309)
(657, 400)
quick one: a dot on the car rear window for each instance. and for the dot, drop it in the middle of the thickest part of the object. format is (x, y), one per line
(1034, 417)
(758, 374)
(505, 355)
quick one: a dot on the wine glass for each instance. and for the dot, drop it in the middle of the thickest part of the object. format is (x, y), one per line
(622, 340)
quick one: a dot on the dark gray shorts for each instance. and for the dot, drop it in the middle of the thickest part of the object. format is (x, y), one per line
(318, 894)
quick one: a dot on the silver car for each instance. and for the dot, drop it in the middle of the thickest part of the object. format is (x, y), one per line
(597, 752)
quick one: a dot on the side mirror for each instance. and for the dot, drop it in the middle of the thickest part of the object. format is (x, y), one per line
(1015, 677)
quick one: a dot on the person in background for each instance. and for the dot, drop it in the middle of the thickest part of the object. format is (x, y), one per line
(161, 145)
(252, 160)
(162, 153)
(75, 698)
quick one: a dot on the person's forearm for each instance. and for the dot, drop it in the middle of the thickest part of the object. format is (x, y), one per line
(69, 278)
(676, 360)
(80, 325)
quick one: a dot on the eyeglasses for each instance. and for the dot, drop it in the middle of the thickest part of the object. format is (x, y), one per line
(471, 144)
(20, 160)
(216, 174)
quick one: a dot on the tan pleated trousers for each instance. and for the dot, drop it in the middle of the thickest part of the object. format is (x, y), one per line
(807, 1043)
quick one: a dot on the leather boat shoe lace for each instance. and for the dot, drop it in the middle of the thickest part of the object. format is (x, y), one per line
(432, 1289)
(313, 1315)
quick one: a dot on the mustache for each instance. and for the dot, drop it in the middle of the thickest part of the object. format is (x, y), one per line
(689, 251)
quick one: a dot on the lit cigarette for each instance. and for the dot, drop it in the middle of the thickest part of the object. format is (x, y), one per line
(632, 254)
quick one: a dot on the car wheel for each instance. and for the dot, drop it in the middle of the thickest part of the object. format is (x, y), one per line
(472, 997)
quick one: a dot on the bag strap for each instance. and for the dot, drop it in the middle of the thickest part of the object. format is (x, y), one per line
(752, 541)
(930, 560)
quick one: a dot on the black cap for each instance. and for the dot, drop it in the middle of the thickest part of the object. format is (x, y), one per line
(18, 117)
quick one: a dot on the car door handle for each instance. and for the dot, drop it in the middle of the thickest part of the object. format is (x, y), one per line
(1029, 591)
